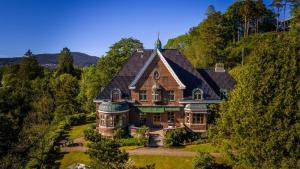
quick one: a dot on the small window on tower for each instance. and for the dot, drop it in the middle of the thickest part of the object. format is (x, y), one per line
(116, 94)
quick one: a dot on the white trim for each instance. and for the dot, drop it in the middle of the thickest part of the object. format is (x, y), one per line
(115, 112)
(139, 75)
(162, 58)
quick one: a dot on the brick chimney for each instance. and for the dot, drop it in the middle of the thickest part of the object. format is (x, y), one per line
(219, 67)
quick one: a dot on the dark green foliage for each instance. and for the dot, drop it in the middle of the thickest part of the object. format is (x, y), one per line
(132, 141)
(179, 136)
(89, 87)
(29, 67)
(92, 135)
(66, 91)
(65, 63)
(105, 152)
(203, 161)
(10, 161)
(77, 119)
(210, 10)
(110, 64)
(261, 118)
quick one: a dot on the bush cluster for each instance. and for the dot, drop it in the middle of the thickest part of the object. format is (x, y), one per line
(179, 136)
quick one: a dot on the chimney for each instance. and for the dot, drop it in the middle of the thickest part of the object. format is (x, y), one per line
(219, 67)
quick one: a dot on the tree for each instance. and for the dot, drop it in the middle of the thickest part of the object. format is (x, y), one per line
(89, 88)
(261, 118)
(247, 10)
(210, 10)
(278, 5)
(66, 91)
(29, 67)
(207, 41)
(203, 161)
(65, 63)
(105, 152)
(110, 64)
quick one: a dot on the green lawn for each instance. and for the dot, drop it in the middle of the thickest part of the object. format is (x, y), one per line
(77, 131)
(206, 148)
(73, 157)
(163, 162)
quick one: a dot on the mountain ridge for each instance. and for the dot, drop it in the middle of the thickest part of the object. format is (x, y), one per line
(51, 59)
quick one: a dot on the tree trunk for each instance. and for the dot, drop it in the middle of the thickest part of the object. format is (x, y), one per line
(284, 14)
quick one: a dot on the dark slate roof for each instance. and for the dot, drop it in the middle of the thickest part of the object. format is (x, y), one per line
(188, 75)
(218, 80)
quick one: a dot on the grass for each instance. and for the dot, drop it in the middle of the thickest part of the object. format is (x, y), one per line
(124, 148)
(205, 148)
(163, 162)
(77, 131)
(73, 157)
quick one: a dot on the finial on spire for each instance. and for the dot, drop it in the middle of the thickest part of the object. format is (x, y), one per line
(158, 42)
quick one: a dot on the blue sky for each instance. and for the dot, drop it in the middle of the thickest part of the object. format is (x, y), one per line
(91, 26)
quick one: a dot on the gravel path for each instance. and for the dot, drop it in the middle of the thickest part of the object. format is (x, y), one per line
(161, 151)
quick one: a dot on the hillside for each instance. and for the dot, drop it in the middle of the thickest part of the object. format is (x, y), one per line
(50, 60)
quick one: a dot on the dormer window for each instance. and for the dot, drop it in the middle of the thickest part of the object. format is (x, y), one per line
(197, 94)
(223, 93)
(115, 94)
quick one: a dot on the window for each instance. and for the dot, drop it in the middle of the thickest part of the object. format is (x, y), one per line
(102, 120)
(118, 121)
(156, 95)
(143, 95)
(223, 93)
(116, 94)
(171, 117)
(187, 118)
(143, 118)
(156, 117)
(197, 94)
(198, 118)
(171, 95)
(109, 121)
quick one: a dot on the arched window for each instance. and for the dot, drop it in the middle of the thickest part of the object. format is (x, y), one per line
(197, 94)
(115, 94)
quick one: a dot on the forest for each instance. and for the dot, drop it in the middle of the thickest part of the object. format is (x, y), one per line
(258, 125)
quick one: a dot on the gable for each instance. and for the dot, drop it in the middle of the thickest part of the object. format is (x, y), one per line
(158, 54)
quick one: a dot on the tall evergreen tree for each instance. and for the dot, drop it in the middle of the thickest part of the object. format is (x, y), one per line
(210, 10)
(261, 119)
(65, 63)
(29, 67)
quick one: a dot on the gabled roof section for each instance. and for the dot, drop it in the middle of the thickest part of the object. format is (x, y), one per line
(149, 61)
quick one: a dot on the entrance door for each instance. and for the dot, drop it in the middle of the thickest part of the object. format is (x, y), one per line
(171, 119)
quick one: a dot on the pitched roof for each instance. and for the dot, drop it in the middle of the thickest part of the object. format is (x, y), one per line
(184, 70)
(165, 62)
(218, 80)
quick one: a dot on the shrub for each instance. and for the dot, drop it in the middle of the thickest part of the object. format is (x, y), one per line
(119, 133)
(91, 135)
(132, 141)
(91, 116)
(203, 161)
(179, 136)
(142, 132)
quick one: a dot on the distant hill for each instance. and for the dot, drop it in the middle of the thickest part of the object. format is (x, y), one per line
(50, 60)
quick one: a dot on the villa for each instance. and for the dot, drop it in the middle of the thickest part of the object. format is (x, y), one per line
(161, 89)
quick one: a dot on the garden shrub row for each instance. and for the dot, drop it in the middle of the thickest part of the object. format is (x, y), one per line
(179, 136)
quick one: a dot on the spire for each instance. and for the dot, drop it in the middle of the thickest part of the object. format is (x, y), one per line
(158, 43)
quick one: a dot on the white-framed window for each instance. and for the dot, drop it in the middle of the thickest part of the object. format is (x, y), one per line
(102, 120)
(142, 95)
(198, 118)
(197, 94)
(156, 117)
(116, 94)
(171, 95)
(156, 95)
